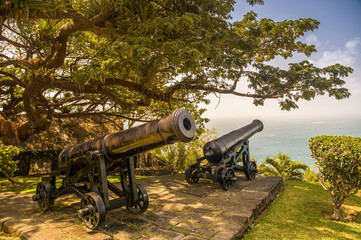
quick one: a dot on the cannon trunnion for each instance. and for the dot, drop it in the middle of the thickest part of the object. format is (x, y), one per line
(224, 156)
(83, 168)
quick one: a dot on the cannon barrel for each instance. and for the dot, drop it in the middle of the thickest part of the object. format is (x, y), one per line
(178, 126)
(215, 150)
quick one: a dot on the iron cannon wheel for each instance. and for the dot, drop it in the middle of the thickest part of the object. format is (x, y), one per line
(141, 204)
(191, 174)
(95, 210)
(227, 178)
(251, 170)
(45, 194)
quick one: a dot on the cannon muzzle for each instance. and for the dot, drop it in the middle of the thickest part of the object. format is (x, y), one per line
(215, 150)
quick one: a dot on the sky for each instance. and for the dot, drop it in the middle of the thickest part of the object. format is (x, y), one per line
(337, 40)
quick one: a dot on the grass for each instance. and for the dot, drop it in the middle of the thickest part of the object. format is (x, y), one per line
(23, 185)
(28, 184)
(302, 212)
(5, 236)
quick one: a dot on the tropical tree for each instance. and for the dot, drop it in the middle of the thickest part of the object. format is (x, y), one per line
(281, 165)
(140, 59)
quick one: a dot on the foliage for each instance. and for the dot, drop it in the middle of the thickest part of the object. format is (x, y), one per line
(281, 165)
(338, 159)
(310, 176)
(180, 154)
(303, 205)
(7, 164)
(141, 59)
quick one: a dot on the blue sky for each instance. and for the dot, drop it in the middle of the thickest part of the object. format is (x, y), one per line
(338, 40)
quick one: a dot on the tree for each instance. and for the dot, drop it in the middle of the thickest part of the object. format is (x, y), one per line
(140, 59)
(281, 165)
(338, 160)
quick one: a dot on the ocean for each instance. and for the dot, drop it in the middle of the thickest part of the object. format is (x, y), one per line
(289, 137)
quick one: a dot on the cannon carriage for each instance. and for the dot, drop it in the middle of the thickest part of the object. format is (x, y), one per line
(225, 155)
(84, 167)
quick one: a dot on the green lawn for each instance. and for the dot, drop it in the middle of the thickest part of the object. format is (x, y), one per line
(23, 185)
(302, 212)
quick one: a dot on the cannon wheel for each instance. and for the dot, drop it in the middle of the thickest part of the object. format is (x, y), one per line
(191, 174)
(45, 193)
(251, 170)
(93, 206)
(141, 204)
(227, 178)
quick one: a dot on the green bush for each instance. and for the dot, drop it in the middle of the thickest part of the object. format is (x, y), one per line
(180, 154)
(338, 159)
(310, 176)
(7, 164)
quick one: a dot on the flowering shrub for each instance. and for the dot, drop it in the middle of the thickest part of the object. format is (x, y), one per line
(338, 159)
(7, 164)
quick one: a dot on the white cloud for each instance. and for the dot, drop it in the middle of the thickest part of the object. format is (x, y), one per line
(347, 56)
(312, 39)
(353, 44)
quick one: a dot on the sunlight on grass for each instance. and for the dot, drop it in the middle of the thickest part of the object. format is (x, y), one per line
(22, 185)
(29, 184)
(300, 213)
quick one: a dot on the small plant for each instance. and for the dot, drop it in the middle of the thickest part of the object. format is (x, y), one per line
(7, 164)
(281, 165)
(310, 176)
(338, 159)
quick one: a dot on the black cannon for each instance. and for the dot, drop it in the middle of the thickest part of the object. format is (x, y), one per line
(83, 168)
(224, 156)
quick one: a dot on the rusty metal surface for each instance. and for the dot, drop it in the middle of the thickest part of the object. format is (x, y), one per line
(178, 126)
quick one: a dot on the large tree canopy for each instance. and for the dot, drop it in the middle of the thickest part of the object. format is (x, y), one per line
(139, 59)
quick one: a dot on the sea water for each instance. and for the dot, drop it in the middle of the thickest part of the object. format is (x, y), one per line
(288, 136)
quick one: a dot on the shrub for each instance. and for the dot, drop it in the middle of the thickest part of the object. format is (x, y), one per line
(7, 164)
(338, 159)
(310, 176)
(281, 165)
(180, 154)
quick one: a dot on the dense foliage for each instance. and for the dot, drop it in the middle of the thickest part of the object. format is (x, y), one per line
(180, 155)
(338, 159)
(281, 165)
(7, 164)
(140, 59)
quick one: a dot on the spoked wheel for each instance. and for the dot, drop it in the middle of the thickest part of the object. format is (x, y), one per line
(227, 178)
(191, 174)
(251, 170)
(141, 204)
(92, 210)
(45, 196)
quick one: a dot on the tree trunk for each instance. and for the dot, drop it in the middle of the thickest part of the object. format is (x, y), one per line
(337, 215)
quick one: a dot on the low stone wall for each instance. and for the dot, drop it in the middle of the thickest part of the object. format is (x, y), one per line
(35, 163)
